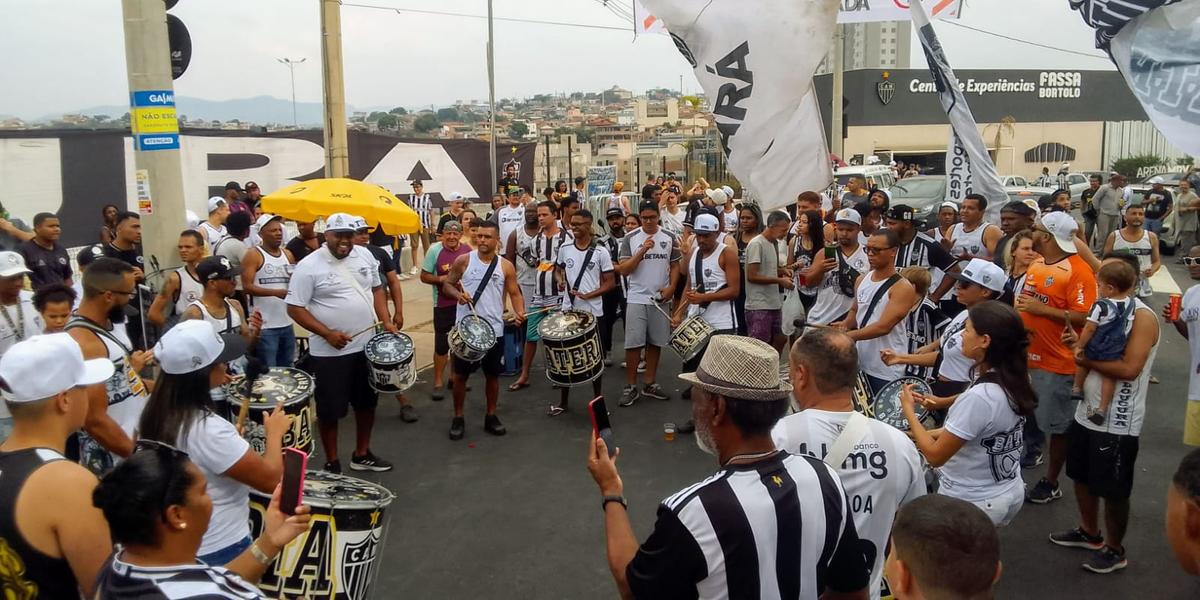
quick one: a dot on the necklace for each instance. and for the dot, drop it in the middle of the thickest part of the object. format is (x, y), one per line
(18, 331)
(749, 457)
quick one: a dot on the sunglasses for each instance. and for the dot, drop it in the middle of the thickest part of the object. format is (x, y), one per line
(157, 446)
(1191, 262)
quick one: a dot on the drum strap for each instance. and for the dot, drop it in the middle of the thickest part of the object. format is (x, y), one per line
(487, 276)
(856, 427)
(587, 259)
(879, 294)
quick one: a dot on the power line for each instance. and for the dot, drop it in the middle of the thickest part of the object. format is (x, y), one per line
(1021, 41)
(509, 19)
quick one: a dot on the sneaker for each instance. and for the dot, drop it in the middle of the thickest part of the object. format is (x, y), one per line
(1043, 492)
(408, 413)
(1096, 416)
(438, 394)
(1077, 538)
(414, 270)
(688, 427)
(369, 462)
(492, 425)
(629, 395)
(334, 466)
(404, 277)
(641, 366)
(1106, 560)
(1033, 460)
(655, 391)
(457, 428)
(608, 362)
(1153, 379)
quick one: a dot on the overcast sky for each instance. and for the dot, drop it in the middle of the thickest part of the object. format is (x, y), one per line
(62, 55)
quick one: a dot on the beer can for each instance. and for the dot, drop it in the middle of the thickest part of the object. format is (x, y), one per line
(1175, 307)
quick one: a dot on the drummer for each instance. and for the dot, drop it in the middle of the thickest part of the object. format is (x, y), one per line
(391, 285)
(546, 293)
(217, 307)
(181, 413)
(979, 281)
(711, 273)
(480, 280)
(585, 273)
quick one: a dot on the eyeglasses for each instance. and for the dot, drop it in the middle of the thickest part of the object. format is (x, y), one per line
(872, 251)
(157, 446)
(1191, 262)
(122, 292)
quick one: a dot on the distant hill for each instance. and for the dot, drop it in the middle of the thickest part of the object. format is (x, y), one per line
(260, 109)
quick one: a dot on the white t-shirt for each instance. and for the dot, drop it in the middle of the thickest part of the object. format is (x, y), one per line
(214, 446)
(653, 272)
(955, 366)
(730, 218)
(989, 462)
(831, 303)
(318, 285)
(1128, 408)
(1190, 314)
(509, 218)
(880, 475)
(570, 258)
(30, 324)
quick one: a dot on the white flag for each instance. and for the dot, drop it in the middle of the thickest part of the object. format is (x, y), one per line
(644, 22)
(755, 60)
(969, 169)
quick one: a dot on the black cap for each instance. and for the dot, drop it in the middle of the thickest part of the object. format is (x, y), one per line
(902, 212)
(233, 185)
(1020, 208)
(614, 212)
(216, 267)
(580, 179)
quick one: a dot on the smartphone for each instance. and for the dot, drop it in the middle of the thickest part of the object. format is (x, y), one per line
(600, 424)
(294, 463)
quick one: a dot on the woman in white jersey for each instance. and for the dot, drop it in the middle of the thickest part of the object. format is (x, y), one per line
(979, 448)
(181, 413)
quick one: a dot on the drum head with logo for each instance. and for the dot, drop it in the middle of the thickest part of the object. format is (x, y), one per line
(477, 332)
(887, 402)
(280, 383)
(325, 489)
(565, 325)
(389, 348)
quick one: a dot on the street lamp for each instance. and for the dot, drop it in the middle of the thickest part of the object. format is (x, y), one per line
(291, 65)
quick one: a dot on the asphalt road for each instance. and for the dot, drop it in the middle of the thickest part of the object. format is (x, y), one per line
(519, 517)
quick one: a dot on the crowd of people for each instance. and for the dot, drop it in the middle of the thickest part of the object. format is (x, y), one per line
(1006, 345)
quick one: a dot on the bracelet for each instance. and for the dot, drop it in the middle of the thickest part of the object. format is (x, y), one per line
(259, 555)
(618, 499)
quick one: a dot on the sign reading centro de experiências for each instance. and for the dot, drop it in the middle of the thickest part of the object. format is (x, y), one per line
(152, 119)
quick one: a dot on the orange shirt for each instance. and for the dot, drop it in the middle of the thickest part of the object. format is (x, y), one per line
(1068, 284)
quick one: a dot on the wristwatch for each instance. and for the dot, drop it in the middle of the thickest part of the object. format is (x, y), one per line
(618, 499)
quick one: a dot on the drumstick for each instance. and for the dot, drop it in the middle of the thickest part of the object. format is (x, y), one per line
(369, 328)
(243, 412)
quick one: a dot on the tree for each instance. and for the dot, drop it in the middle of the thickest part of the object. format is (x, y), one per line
(448, 114)
(1130, 166)
(399, 110)
(387, 121)
(426, 122)
(374, 116)
(518, 129)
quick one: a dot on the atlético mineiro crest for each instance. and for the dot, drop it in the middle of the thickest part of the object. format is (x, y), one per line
(886, 90)
(358, 562)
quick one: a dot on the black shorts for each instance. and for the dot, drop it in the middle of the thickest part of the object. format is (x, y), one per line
(492, 362)
(1104, 462)
(342, 382)
(444, 318)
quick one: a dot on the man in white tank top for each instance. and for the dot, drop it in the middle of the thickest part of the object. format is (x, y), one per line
(266, 270)
(182, 285)
(217, 307)
(213, 229)
(481, 280)
(882, 299)
(520, 251)
(971, 237)
(1134, 239)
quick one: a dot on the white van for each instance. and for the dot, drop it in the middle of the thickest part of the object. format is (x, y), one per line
(876, 176)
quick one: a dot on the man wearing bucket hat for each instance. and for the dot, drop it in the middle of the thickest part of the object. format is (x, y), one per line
(737, 398)
(55, 553)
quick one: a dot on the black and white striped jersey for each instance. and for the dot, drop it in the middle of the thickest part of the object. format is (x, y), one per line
(120, 580)
(776, 528)
(1107, 17)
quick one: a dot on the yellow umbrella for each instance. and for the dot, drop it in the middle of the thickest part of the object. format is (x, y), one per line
(319, 198)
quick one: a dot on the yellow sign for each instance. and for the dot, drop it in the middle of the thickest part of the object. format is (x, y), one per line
(154, 120)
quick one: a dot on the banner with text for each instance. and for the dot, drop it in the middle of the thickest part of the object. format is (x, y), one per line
(969, 168)
(600, 180)
(755, 60)
(849, 11)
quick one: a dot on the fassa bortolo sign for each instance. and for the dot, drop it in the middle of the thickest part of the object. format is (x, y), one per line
(1047, 84)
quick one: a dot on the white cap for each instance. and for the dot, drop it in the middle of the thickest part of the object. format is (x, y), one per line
(194, 344)
(455, 197)
(341, 222)
(214, 203)
(192, 219)
(360, 224)
(949, 205)
(12, 264)
(1031, 203)
(984, 273)
(718, 196)
(706, 223)
(46, 365)
(728, 191)
(1062, 226)
(265, 218)
(848, 215)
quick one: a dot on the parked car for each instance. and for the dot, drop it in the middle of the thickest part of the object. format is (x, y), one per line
(1013, 181)
(924, 193)
(1169, 180)
(876, 176)
(1077, 182)
(992, 214)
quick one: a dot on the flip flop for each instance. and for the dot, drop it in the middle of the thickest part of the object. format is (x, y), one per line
(555, 410)
(516, 387)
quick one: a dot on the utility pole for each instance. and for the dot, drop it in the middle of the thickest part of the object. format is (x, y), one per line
(154, 127)
(547, 161)
(570, 161)
(491, 65)
(291, 65)
(839, 52)
(337, 151)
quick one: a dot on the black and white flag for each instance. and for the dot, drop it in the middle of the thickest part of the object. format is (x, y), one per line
(1156, 46)
(969, 168)
(755, 60)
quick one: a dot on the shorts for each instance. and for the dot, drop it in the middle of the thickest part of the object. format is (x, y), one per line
(1055, 409)
(342, 382)
(645, 325)
(764, 325)
(1104, 462)
(1003, 507)
(532, 320)
(444, 318)
(1191, 424)
(492, 363)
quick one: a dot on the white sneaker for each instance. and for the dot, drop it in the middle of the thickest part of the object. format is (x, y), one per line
(404, 277)
(414, 270)
(641, 367)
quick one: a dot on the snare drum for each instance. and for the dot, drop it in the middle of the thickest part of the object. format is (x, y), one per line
(471, 338)
(294, 387)
(887, 406)
(573, 352)
(337, 557)
(389, 358)
(691, 337)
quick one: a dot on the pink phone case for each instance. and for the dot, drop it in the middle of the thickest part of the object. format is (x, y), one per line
(300, 484)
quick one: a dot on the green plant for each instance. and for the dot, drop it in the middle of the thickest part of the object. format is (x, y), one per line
(1130, 165)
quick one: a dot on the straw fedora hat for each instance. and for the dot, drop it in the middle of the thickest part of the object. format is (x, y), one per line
(739, 367)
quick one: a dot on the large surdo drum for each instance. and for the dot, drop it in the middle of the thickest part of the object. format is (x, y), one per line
(389, 358)
(691, 337)
(337, 557)
(885, 405)
(471, 338)
(294, 387)
(573, 352)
